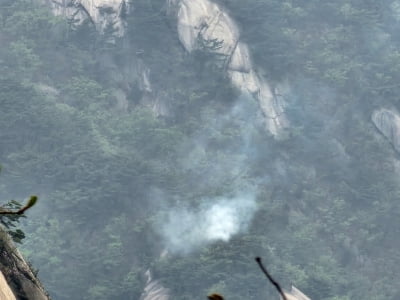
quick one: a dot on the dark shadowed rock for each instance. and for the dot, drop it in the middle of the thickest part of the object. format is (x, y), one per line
(17, 280)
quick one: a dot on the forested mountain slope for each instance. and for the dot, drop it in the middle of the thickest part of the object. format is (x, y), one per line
(147, 154)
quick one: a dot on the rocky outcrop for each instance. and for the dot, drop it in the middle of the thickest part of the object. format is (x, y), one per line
(5, 291)
(201, 22)
(17, 280)
(105, 14)
(295, 294)
(388, 123)
(154, 290)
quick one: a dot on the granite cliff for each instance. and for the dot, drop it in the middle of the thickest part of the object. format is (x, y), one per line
(199, 23)
(17, 279)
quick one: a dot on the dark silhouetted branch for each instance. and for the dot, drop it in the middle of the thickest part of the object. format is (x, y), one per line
(215, 297)
(275, 283)
(32, 201)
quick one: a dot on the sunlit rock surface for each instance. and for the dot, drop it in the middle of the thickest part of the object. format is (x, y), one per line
(204, 18)
(105, 14)
(5, 291)
(17, 281)
(388, 123)
(295, 294)
(154, 290)
(201, 22)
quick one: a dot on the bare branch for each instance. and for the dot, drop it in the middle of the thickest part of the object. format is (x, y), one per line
(275, 283)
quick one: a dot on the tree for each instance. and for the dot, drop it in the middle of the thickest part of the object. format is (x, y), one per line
(10, 215)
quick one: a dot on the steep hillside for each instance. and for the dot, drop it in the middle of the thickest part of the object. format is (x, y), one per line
(173, 141)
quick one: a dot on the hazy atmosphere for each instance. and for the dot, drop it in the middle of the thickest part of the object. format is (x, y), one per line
(171, 141)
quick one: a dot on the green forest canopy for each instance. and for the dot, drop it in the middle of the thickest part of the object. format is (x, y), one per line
(326, 218)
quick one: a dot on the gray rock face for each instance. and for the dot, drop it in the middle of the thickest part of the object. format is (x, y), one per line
(5, 290)
(103, 13)
(198, 20)
(154, 290)
(388, 123)
(17, 281)
(203, 20)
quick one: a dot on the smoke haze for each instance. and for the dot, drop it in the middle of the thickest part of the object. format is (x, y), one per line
(215, 220)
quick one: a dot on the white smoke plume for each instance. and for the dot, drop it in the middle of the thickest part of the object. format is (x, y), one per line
(216, 219)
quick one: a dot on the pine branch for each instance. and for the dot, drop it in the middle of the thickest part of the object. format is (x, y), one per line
(31, 202)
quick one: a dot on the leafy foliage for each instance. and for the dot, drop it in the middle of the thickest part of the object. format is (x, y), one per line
(10, 222)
